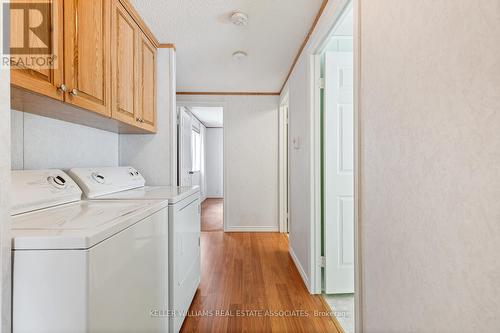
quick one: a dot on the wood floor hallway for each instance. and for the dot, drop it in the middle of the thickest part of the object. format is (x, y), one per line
(212, 212)
(251, 280)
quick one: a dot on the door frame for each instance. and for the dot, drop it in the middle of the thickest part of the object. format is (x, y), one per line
(284, 180)
(197, 103)
(316, 47)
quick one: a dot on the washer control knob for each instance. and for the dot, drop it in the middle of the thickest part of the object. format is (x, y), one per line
(98, 178)
(57, 181)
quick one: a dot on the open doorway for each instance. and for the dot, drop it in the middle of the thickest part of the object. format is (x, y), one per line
(201, 160)
(337, 172)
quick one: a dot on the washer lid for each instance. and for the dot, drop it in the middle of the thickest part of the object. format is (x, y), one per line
(173, 194)
(38, 189)
(79, 225)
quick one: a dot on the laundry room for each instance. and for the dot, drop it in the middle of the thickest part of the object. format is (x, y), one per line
(95, 166)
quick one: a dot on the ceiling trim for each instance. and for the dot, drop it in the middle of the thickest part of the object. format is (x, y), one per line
(227, 93)
(166, 46)
(320, 12)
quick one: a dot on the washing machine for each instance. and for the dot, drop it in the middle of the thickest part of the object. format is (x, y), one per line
(126, 183)
(85, 266)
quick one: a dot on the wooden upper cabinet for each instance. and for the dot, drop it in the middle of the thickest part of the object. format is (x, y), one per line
(105, 58)
(87, 58)
(147, 84)
(44, 80)
(124, 69)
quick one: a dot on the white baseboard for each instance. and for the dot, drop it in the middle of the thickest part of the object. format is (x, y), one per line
(213, 197)
(252, 229)
(300, 269)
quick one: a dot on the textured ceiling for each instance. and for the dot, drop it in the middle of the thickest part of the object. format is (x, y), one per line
(205, 40)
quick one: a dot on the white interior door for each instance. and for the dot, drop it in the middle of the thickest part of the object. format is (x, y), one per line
(339, 173)
(185, 156)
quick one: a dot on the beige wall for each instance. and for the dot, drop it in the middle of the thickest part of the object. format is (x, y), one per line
(430, 165)
(429, 159)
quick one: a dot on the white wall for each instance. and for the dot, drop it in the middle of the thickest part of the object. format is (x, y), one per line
(299, 168)
(430, 154)
(5, 263)
(215, 162)
(151, 154)
(43, 143)
(251, 154)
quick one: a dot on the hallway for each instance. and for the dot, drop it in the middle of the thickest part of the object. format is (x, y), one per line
(251, 280)
(212, 212)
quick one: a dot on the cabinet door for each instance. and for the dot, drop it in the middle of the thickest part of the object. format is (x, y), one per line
(147, 84)
(87, 54)
(124, 69)
(47, 79)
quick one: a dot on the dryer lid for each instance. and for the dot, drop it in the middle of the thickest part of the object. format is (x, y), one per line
(173, 194)
(95, 182)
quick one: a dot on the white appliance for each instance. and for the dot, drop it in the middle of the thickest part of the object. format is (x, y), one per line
(126, 183)
(82, 266)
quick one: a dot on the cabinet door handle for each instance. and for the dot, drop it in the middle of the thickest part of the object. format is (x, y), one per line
(139, 119)
(62, 88)
(74, 92)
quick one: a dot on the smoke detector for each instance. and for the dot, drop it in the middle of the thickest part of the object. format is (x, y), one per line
(239, 55)
(239, 19)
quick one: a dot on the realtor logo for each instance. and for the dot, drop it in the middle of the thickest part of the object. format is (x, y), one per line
(28, 34)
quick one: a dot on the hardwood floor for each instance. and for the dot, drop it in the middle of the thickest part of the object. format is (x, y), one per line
(212, 215)
(250, 279)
